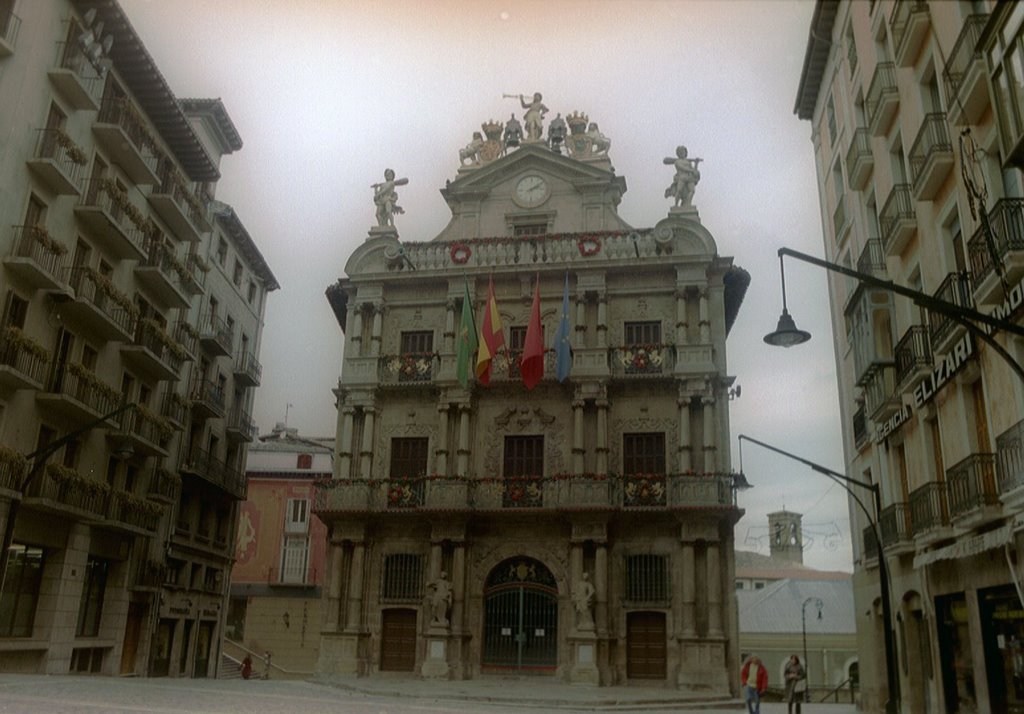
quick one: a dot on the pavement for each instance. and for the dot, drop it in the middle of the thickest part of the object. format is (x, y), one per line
(70, 694)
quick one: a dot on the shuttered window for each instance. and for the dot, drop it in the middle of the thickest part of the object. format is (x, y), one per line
(643, 453)
(646, 578)
(402, 579)
(524, 456)
(643, 333)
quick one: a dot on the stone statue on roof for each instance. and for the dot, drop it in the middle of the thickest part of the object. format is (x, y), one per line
(557, 131)
(385, 198)
(513, 133)
(534, 117)
(685, 180)
(471, 151)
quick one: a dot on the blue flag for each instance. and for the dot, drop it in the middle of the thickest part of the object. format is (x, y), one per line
(563, 349)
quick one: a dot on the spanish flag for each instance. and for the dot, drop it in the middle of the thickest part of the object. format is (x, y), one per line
(492, 338)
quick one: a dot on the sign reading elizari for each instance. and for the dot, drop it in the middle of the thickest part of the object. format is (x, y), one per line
(949, 366)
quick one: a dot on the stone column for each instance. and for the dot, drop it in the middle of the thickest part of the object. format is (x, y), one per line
(581, 321)
(366, 448)
(434, 566)
(354, 619)
(714, 585)
(602, 321)
(689, 591)
(705, 321)
(685, 460)
(602, 437)
(601, 588)
(577, 436)
(441, 448)
(344, 446)
(710, 434)
(463, 451)
(458, 584)
(378, 324)
(334, 587)
(356, 332)
(449, 326)
(681, 326)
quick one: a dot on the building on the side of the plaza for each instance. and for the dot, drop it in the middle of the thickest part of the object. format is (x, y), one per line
(279, 555)
(110, 252)
(582, 529)
(915, 111)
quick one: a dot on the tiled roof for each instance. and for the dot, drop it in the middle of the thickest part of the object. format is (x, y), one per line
(779, 607)
(756, 565)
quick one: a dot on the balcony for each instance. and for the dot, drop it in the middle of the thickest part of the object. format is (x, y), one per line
(898, 220)
(57, 162)
(860, 428)
(894, 524)
(77, 394)
(870, 543)
(1010, 465)
(931, 157)
(164, 276)
(239, 426)
(872, 259)
(913, 355)
(638, 361)
(98, 307)
(248, 371)
(9, 26)
(215, 336)
(929, 513)
(12, 470)
(199, 463)
(1006, 219)
(410, 368)
(882, 100)
(148, 575)
(75, 78)
(505, 366)
(188, 337)
(207, 399)
(193, 281)
(971, 489)
(840, 223)
(147, 432)
(174, 408)
(122, 132)
(37, 259)
(945, 331)
(112, 220)
(130, 514)
(22, 360)
(180, 209)
(881, 400)
(909, 25)
(63, 491)
(154, 352)
(164, 486)
(965, 75)
(860, 161)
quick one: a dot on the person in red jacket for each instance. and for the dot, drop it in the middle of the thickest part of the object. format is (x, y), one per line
(754, 678)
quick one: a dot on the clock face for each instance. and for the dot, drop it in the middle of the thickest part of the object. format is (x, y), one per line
(531, 191)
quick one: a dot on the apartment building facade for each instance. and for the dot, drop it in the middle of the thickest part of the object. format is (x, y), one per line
(581, 529)
(112, 274)
(915, 110)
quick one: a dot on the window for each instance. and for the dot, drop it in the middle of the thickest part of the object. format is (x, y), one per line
(16, 311)
(90, 609)
(304, 461)
(71, 449)
(296, 518)
(759, 585)
(35, 212)
(646, 578)
(294, 556)
(89, 357)
(222, 252)
(643, 453)
(643, 333)
(417, 342)
(402, 579)
(739, 584)
(251, 292)
(530, 229)
(21, 590)
(524, 456)
(237, 273)
(830, 110)
(408, 457)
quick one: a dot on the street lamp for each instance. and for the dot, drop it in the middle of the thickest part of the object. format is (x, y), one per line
(892, 706)
(803, 623)
(786, 334)
(38, 459)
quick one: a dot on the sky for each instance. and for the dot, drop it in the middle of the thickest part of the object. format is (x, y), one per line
(327, 94)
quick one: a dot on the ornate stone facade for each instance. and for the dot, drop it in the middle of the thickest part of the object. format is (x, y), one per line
(612, 486)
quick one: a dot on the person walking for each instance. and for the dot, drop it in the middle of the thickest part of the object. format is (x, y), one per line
(754, 678)
(796, 684)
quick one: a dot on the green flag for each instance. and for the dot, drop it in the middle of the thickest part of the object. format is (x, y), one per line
(466, 340)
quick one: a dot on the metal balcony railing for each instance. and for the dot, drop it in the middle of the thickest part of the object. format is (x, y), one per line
(22, 355)
(860, 427)
(69, 158)
(964, 54)
(928, 508)
(1006, 220)
(84, 386)
(971, 484)
(881, 90)
(94, 289)
(122, 112)
(36, 244)
(894, 524)
(913, 353)
(9, 26)
(956, 289)
(897, 212)
(1010, 458)
(408, 368)
(931, 141)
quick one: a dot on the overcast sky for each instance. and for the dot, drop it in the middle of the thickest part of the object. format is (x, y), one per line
(327, 94)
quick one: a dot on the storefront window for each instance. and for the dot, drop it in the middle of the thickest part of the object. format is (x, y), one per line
(1002, 631)
(955, 648)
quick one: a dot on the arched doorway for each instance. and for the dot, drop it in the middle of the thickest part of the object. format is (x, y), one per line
(520, 616)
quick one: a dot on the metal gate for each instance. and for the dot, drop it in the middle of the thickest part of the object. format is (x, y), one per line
(520, 616)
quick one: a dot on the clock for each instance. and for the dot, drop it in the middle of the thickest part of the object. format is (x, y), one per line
(531, 191)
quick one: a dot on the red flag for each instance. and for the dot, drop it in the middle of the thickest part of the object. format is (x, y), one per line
(532, 364)
(492, 338)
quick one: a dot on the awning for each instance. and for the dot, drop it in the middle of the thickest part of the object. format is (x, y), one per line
(967, 547)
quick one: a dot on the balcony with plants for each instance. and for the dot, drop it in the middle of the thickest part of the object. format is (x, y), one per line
(965, 74)
(1001, 258)
(75, 77)
(164, 275)
(164, 486)
(188, 337)
(909, 25)
(193, 281)
(77, 394)
(882, 100)
(146, 431)
(131, 514)
(121, 129)
(898, 219)
(931, 157)
(113, 220)
(178, 205)
(63, 490)
(956, 288)
(22, 360)
(154, 352)
(175, 408)
(58, 161)
(99, 307)
(37, 258)
(12, 469)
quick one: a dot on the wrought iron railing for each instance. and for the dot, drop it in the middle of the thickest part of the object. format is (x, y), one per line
(54, 144)
(240, 421)
(913, 353)
(9, 26)
(99, 193)
(82, 385)
(215, 328)
(839, 218)
(36, 244)
(860, 149)
(882, 88)
(69, 488)
(173, 184)
(207, 393)
(249, 366)
(164, 484)
(902, 14)
(956, 289)
(928, 507)
(894, 523)
(932, 138)
(17, 354)
(1010, 458)
(161, 345)
(1006, 220)
(971, 484)
(898, 207)
(88, 287)
(964, 54)
(872, 259)
(860, 427)
(408, 368)
(122, 112)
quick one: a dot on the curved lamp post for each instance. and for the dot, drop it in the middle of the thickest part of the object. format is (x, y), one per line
(803, 624)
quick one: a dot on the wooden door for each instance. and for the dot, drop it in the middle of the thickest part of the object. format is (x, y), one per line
(645, 645)
(132, 630)
(398, 641)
